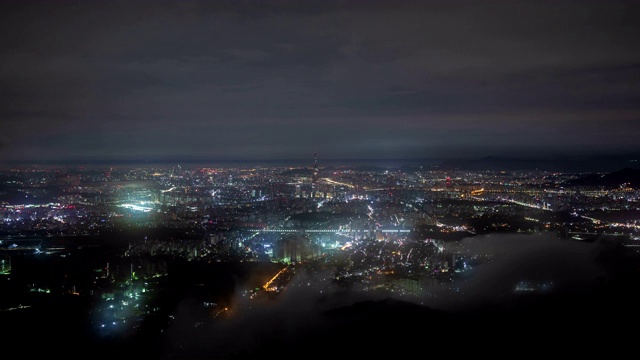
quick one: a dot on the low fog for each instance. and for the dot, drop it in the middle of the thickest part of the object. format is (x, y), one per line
(569, 280)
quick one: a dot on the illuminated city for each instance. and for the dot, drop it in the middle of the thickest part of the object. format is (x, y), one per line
(130, 242)
(324, 179)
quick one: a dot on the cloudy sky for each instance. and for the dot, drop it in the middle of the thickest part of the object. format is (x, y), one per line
(260, 80)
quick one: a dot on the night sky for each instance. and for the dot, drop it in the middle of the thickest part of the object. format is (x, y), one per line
(264, 80)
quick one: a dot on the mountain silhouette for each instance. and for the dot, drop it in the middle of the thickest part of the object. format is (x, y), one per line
(625, 177)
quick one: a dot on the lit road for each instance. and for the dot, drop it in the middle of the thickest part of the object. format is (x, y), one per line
(333, 182)
(267, 286)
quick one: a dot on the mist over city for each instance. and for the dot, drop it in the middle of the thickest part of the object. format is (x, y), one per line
(536, 279)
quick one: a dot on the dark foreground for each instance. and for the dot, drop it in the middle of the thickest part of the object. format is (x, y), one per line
(598, 317)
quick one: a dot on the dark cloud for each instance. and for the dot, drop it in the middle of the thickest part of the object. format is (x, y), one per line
(352, 77)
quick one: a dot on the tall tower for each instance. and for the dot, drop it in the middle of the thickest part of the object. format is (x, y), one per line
(314, 178)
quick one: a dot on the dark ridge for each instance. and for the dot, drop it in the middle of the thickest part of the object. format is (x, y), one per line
(625, 177)
(502, 163)
(388, 308)
(298, 172)
(368, 168)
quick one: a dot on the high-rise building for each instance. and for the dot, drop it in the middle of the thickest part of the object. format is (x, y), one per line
(5, 264)
(295, 247)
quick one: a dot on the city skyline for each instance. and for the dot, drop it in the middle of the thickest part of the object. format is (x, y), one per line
(262, 81)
